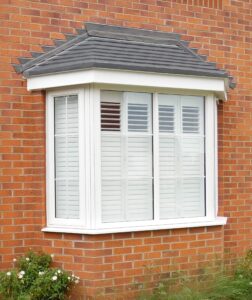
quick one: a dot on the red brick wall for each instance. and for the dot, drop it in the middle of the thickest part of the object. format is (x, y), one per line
(115, 263)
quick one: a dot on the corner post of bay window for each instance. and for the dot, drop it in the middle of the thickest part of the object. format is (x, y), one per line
(216, 154)
(86, 156)
(50, 189)
(210, 155)
(156, 156)
(94, 158)
(82, 183)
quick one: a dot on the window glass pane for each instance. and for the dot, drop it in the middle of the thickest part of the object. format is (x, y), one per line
(110, 116)
(126, 158)
(66, 141)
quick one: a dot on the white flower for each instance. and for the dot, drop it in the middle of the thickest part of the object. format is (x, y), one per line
(27, 259)
(54, 278)
(77, 281)
(52, 255)
(41, 273)
(22, 272)
(20, 276)
(59, 271)
(8, 273)
(14, 260)
(69, 278)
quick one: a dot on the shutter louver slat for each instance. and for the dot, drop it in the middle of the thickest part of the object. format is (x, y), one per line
(190, 119)
(193, 193)
(139, 199)
(166, 118)
(138, 117)
(66, 157)
(168, 203)
(139, 189)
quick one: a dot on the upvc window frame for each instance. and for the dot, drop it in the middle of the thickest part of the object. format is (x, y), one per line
(90, 164)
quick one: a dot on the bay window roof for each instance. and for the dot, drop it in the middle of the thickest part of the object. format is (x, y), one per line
(106, 54)
(113, 47)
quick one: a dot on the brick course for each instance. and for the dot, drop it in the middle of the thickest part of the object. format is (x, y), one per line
(117, 264)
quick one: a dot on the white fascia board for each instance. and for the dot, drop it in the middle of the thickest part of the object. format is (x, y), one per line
(129, 78)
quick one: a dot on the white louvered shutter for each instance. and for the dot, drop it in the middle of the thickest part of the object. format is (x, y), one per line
(192, 157)
(168, 107)
(139, 157)
(66, 157)
(126, 156)
(111, 157)
(181, 156)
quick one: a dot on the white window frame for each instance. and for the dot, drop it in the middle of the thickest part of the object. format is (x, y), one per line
(90, 164)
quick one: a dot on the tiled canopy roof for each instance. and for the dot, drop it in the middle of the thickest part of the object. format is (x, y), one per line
(112, 47)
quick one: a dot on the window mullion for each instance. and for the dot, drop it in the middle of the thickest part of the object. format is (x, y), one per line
(210, 118)
(124, 135)
(156, 157)
(96, 99)
(82, 183)
(94, 157)
(50, 162)
(179, 151)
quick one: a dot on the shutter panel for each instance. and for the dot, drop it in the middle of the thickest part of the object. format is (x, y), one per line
(181, 156)
(192, 157)
(168, 151)
(126, 156)
(168, 173)
(111, 157)
(66, 157)
(139, 200)
(111, 173)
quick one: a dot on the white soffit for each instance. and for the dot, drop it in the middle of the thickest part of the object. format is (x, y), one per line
(129, 78)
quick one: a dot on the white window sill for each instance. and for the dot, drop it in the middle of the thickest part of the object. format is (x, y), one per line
(215, 222)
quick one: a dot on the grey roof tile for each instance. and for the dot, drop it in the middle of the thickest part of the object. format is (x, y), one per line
(112, 47)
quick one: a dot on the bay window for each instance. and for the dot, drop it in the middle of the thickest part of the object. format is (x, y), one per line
(120, 160)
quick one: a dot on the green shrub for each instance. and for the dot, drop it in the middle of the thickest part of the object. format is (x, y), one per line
(34, 279)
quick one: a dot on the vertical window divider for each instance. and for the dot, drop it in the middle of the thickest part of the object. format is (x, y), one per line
(179, 145)
(87, 154)
(96, 100)
(124, 134)
(82, 183)
(155, 125)
(50, 160)
(91, 157)
(210, 154)
(216, 156)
